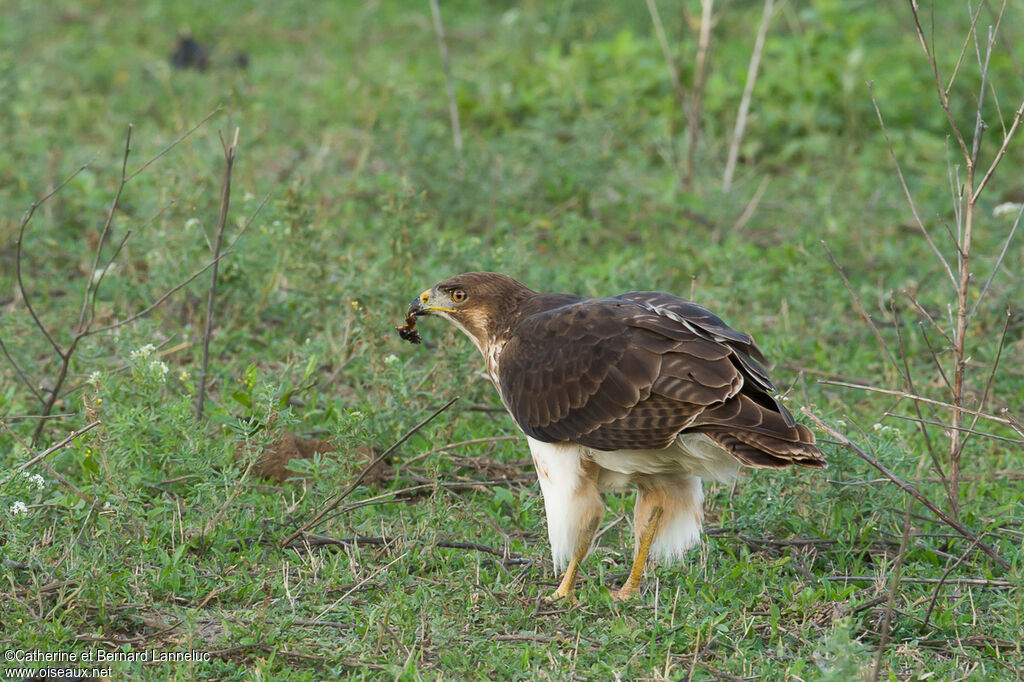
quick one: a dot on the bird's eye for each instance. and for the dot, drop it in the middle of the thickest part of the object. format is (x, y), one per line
(458, 295)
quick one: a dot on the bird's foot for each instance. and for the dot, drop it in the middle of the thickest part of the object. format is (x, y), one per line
(565, 596)
(623, 594)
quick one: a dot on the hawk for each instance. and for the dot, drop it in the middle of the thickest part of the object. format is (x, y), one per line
(643, 391)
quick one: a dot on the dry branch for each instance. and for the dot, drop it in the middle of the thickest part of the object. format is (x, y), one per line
(748, 90)
(333, 504)
(697, 101)
(86, 316)
(914, 492)
(453, 107)
(230, 151)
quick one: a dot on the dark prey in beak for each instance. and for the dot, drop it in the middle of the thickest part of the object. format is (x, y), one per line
(408, 330)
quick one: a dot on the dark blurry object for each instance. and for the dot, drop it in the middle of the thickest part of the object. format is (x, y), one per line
(190, 54)
(241, 59)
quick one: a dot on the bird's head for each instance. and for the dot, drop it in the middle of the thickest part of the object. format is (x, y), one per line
(478, 303)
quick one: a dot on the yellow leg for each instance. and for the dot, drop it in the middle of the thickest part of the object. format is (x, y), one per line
(642, 549)
(568, 584)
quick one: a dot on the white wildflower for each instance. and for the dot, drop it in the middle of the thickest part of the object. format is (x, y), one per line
(160, 368)
(391, 359)
(1007, 208)
(94, 378)
(36, 480)
(143, 352)
(17, 508)
(877, 427)
(101, 272)
(183, 375)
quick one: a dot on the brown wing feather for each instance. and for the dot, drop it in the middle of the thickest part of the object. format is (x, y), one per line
(632, 372)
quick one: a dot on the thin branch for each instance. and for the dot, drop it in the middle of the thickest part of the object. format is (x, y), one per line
(103, 275)
(453, 107)
(359, 479)
(748, 90)
(181, 138)
(697, 101)
(58, 446)
(63, 481)
(942, 580)
(979, 122)
(28, 382)
(924, 313)
(963, 49)
(22, 417)
(914, 492)
(114, 203)
(910, 386)
(943, 98)
(18, 254)
(943, 425)
(1002, 151)
(991, 375)
(755, 201)
(894, 585)
(230, 151)
(862, 311)
(906, 190)
(155, 304)
(911, 396)
(670, 62)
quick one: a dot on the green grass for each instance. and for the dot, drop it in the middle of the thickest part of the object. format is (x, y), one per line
(565, 182)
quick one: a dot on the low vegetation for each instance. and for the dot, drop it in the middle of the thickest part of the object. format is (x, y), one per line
(314, 524)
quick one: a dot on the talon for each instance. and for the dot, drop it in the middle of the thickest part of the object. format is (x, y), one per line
(621, 595)
(557, 595)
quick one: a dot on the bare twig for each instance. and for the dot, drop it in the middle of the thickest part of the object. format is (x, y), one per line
(333, 504)
(86, 316)
(230, 152)
(932, 422)
(943, 96)
(59, 445)
(976, 582)
(114, 203)
(670, 62)
(890, 603)
(942, 581)
(21, 417)
(18, 256)
(995, 268)
(910, 386)
(906, 190)
(911, 396)
(748, 90)
(28, 382)
(65, 482)
(697, 101)
(453, 107)
(914, 492)
(156, 304)
(178, 140)
(861, 310)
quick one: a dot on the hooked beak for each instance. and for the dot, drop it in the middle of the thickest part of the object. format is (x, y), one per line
(419, 304)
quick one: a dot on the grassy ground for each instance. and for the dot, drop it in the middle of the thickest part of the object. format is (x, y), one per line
(569, 180)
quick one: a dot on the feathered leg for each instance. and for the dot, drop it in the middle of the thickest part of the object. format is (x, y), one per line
(572, 504)
(667, 521)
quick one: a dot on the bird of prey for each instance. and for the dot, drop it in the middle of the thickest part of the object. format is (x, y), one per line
(643, 391)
